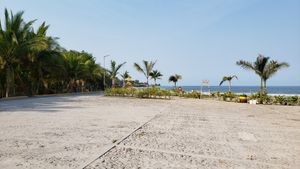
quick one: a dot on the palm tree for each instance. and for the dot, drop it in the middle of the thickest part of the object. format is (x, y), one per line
(125, 77)
(33, 62)
(271, 68)
(155, 74)
(114, 71)
(37, 60)
(263, 68)
(228, 78)
(16, 39)
(146, 69)
(175, 78)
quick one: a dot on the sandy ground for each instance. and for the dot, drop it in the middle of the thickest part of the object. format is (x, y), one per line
(66, 132)
(72, 131)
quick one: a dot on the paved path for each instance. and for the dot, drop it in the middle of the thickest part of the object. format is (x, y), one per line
(209, 134)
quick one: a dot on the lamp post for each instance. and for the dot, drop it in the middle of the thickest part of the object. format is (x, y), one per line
(104, 71)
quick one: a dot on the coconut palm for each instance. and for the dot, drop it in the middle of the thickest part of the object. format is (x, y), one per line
(146, 68)
(263, 68)
(114, 71)
(155, 74)
(271, 68)
(16, 39)
(36, 61)
(32, 62)
(125, 76)
(228, 78)
(174, 79)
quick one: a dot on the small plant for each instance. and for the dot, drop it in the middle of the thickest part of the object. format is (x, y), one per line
(266, 99)
(228, 96)
(243, 98)
(216, 94)
(243, 95)
(192, 94)
(280, 100)
(292, 100)
(254, 96)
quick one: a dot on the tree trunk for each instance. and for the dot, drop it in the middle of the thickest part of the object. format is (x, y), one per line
(113, 82)
(229, 86)
(154, 82)
(175, 84)
(265, 87)
(261, 89)
(147, 81)
(7, 81)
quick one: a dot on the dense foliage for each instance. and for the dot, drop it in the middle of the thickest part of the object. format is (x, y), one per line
(31, 62)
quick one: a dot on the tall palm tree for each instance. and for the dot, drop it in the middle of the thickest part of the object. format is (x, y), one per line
(263, 68)
(114, 71)
(39, 59)
(125, 77)
(271, 68)
(228, 78)
(174, 79)
(74, 67)
(145, 69)
(155, 74)
(16, 39)
(258, 67)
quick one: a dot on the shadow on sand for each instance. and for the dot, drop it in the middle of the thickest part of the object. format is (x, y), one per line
(47, 104)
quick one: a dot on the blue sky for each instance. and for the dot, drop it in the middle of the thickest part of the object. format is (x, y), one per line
(197, 39)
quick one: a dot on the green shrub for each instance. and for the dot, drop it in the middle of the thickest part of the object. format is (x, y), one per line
(280, 99)
(229, 95)
(140, 93)
(204, 96)
(265, 99)
(192, 94)
(254, 96)
(292, 100)
(243, 95)
(216, 94)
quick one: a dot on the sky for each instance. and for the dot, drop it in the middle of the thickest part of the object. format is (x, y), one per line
(197, 39)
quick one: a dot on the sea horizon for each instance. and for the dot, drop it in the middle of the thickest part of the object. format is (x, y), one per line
(272, 90)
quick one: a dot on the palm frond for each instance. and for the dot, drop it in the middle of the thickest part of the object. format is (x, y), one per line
(272, 67)
(234, 76)
(139, 68)
(245, 65)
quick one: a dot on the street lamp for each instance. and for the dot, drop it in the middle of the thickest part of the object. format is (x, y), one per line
(104, 71)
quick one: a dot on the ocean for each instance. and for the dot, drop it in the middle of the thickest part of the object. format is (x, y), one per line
(272, 90)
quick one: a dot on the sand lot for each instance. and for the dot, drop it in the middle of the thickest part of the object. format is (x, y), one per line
(72, 131)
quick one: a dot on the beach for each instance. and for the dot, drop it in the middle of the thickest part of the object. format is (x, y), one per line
(93, 131)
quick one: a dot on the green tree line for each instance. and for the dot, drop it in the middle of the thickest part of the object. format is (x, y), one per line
(31, 62)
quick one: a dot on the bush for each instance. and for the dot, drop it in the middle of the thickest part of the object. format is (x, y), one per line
(292, 100)
(267, 99)
(140, 93)
(205, 96)
(229, 95)
(216, 94)
(254, 96)
(280, 100)
(192, 94)
(243, 95)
